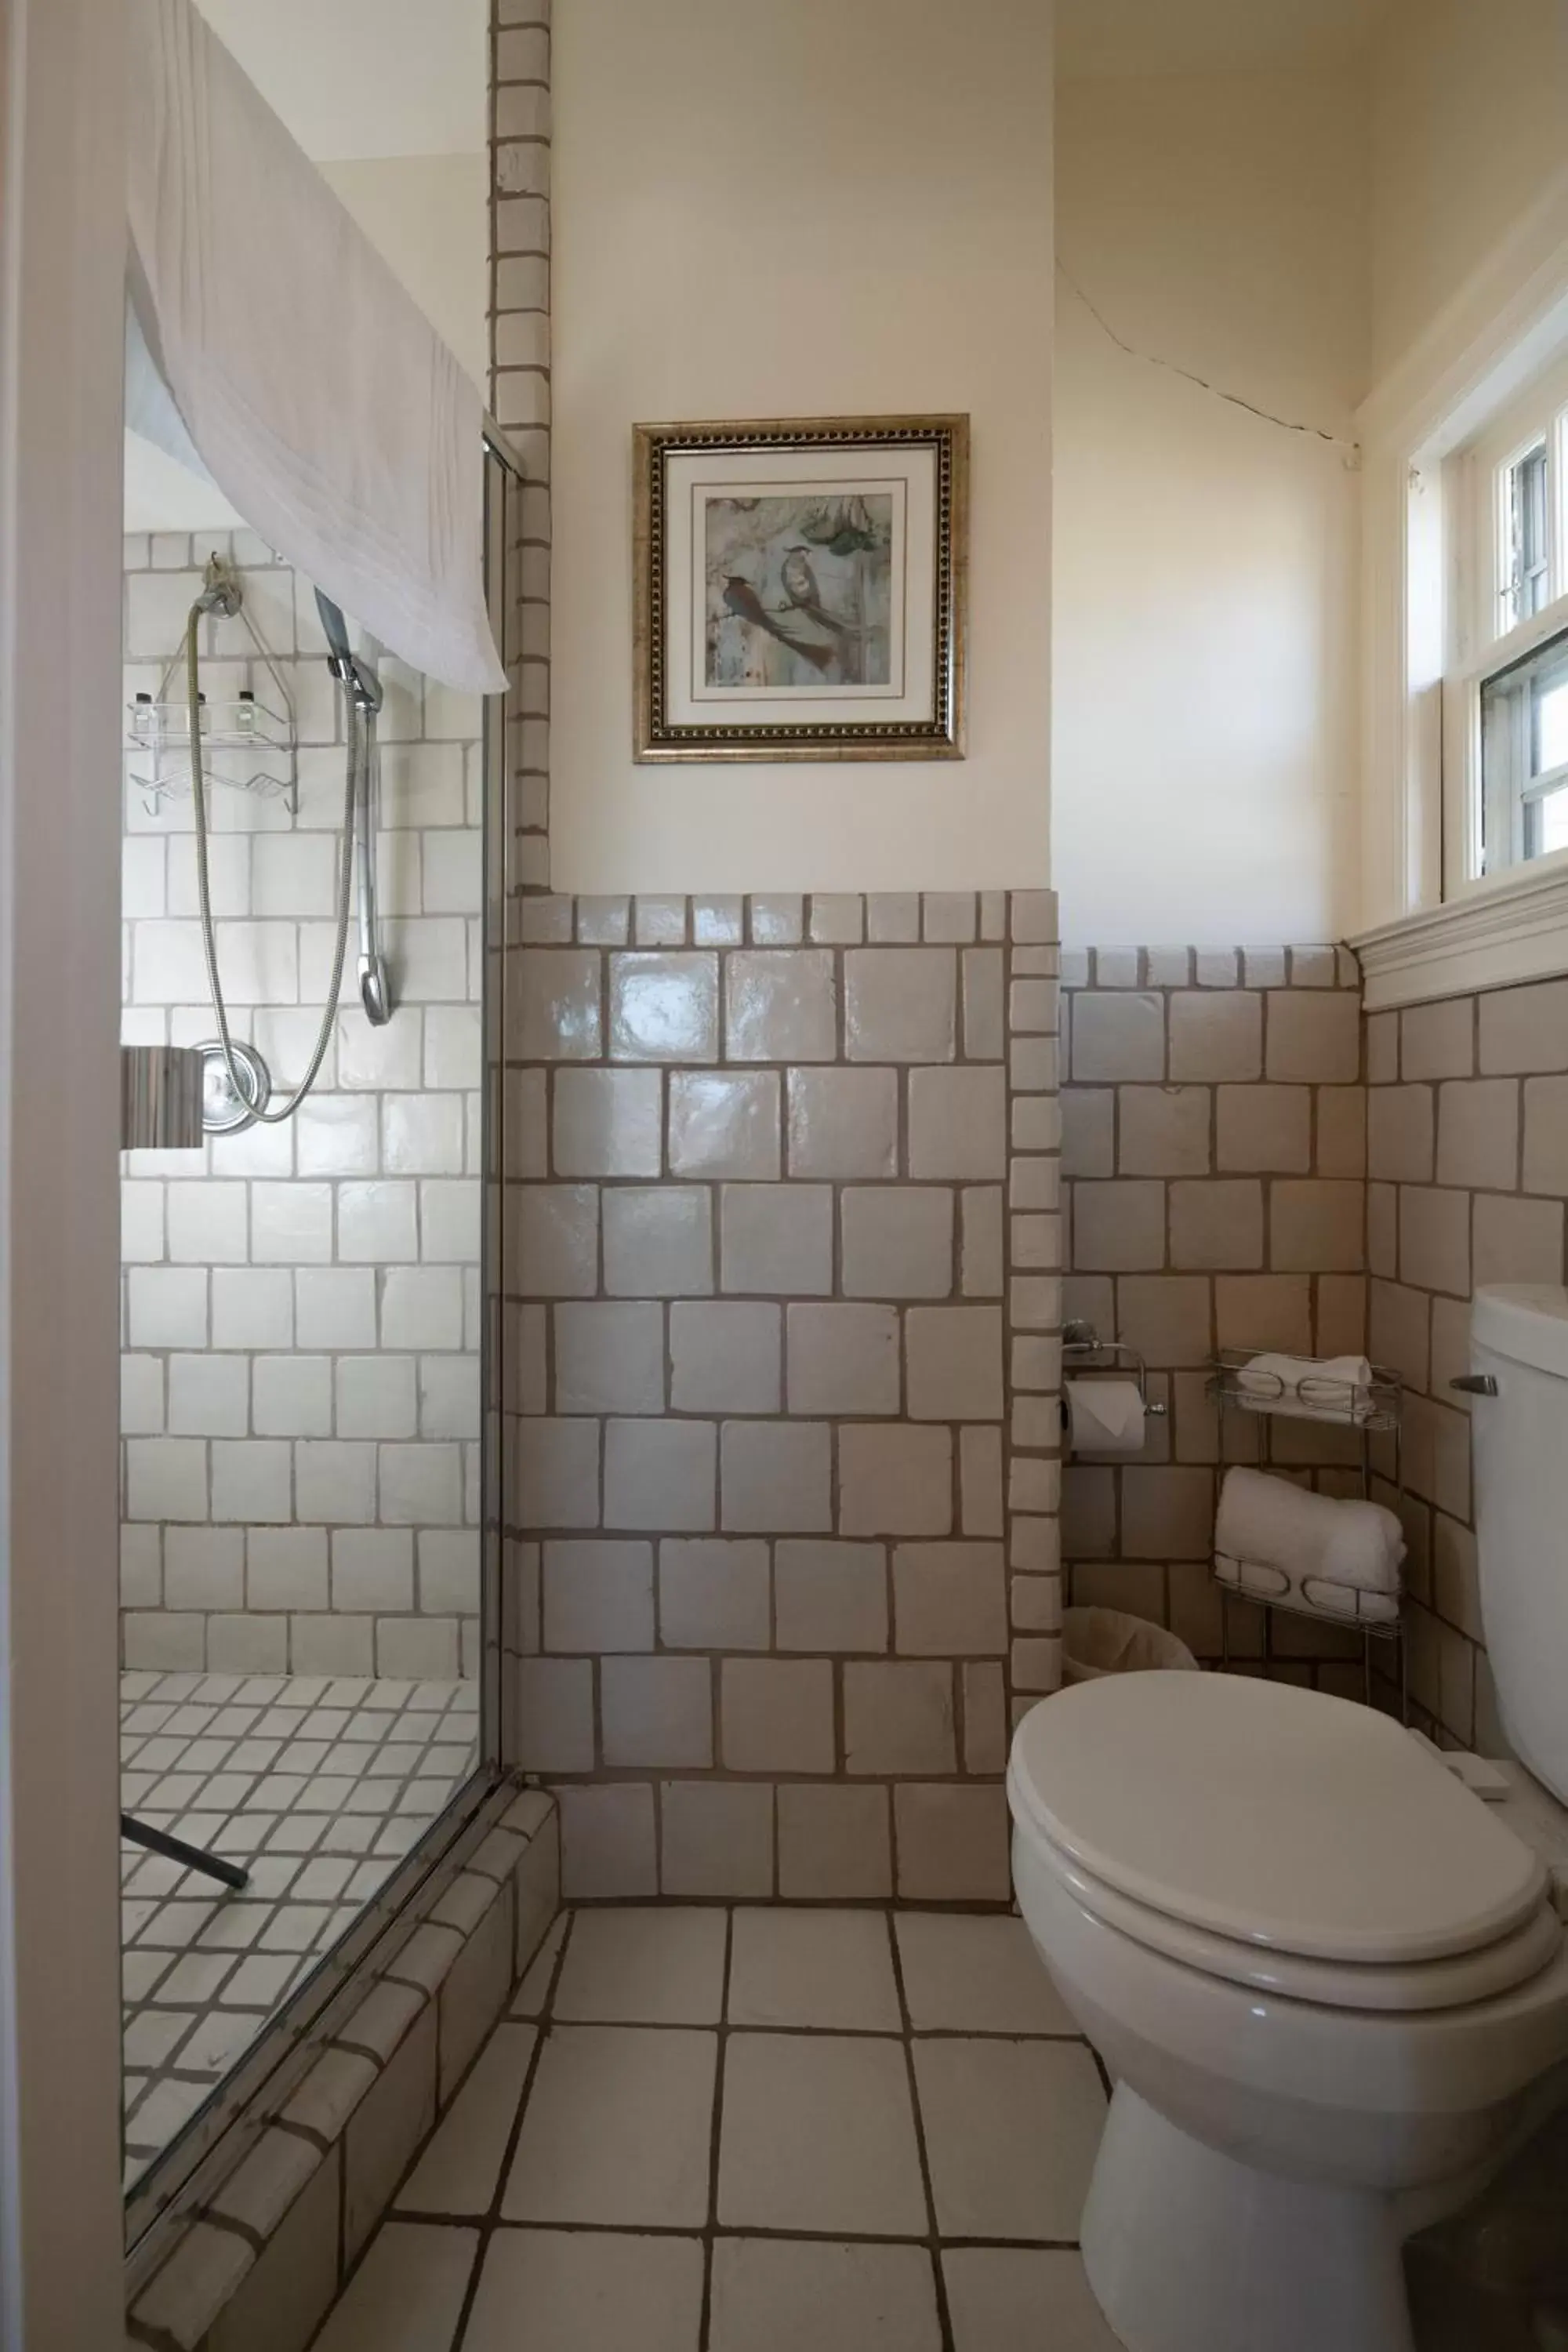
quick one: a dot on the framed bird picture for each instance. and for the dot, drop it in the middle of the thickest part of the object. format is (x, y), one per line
(800, 589)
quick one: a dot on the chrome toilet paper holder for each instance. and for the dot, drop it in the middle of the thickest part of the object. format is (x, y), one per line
(1081, 1340)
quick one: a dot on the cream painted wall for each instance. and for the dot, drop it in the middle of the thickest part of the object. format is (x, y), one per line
(801, 210)
(1469, 102)
(429, 216)
(1203, 729)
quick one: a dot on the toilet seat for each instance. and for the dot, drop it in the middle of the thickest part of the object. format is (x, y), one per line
(1495, 1968)
(1279, 1837)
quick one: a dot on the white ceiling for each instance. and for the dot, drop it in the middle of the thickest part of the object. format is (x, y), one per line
(1161, 37)
(361, 78)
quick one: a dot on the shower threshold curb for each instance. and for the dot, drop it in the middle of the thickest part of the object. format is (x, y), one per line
(284, 2229)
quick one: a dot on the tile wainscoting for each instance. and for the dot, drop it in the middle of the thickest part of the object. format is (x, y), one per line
(1213, 1159)
(784, 1357)
(1468, 1157)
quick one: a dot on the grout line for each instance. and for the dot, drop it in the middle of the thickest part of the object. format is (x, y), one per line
(491, 2220)
(717, 2133)
(944, 2317)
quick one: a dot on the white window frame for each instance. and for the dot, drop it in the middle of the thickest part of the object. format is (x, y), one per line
(1430, 928)
(1475, 555)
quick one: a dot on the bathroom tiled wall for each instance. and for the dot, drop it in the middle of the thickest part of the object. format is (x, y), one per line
(785, 1362)
(1214, 1155)
(302, 1309)
(1468, 1157)
(520, 400)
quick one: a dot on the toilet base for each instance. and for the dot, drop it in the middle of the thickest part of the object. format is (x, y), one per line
(1191, 2251)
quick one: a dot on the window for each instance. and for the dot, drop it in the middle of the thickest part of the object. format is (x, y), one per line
(1505, 704)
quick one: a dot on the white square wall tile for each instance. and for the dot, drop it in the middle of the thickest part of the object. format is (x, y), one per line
(372, 1569)
(421, 1306)
(377, 1396)
(378, 1222)
(252, 1307)
(421, 1485)
(141, 1396)
(449, 1396)
(453, 1045)
(251, 1480)
(373, 1058)
(334, 1482)
(337, 1136)
(291, 1225)
(336, 1306)
(449, 1220)
(209, 1395)
(422, 1134)
(166, 1307)
(209, 1223)
(166, 1478)
(293, 1396)
(140, 1223)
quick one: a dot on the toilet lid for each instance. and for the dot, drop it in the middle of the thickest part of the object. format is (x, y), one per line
(1275, 1815)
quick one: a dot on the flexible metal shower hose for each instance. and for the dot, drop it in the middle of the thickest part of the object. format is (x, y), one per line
(356, 752)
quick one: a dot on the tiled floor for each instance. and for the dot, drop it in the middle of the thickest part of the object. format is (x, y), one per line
(318, 1785)
(764, 2130)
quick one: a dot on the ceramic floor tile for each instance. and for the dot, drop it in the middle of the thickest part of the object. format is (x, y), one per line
(406, 2295)
(640, 1967)
(1018, 2299)
(822, 1969)
(460, 2168)
(1011, 2131)
(533, 1992)
(778, 2294)
(618, 2130)
(818, 2134)
(975, 1975)
(590, 2291)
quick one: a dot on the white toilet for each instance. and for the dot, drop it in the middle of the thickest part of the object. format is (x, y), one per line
(1329, 1984)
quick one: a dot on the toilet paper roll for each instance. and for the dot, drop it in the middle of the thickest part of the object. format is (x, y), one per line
(1105, 1418)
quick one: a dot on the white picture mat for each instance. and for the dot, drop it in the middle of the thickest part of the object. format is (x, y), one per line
(692, 476)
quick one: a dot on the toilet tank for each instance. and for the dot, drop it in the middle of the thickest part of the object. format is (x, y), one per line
(1519, 1337)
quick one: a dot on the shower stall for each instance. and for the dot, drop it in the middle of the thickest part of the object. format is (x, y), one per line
(314, 886)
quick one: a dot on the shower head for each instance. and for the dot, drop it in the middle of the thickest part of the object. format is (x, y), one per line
(356, 677)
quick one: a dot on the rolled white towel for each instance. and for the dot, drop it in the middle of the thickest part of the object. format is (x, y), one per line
(1309, 1539)
(1307, 1388)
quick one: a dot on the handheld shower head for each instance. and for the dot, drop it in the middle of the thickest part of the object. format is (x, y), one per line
(356, 677)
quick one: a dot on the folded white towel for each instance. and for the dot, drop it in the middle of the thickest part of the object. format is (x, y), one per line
(1307, 1388)
(1330, 1557)
(316, 393)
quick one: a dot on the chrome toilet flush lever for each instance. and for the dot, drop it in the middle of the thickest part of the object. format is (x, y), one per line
(1474, 1384)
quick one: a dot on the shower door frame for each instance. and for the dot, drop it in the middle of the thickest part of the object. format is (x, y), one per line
(222, 2131)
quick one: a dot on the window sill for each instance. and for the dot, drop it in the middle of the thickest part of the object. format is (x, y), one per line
(1515, 930)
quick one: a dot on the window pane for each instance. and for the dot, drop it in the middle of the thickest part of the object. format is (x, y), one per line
(1526, 583)
(1551, 720)
(1524, 759)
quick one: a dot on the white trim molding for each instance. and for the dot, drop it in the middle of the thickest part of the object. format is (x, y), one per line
(1490, 938)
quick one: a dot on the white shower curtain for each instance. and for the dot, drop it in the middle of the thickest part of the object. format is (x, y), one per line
(315, 392)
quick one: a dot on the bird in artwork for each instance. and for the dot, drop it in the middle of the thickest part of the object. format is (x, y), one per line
(744, 601)
(799, 582)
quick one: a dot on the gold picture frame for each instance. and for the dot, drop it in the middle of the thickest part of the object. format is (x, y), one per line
(800, 588)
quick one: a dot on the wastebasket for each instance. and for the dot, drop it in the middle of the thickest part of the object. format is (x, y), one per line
(1098, 1642)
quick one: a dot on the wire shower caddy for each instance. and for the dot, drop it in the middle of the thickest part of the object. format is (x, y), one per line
(249, 740)
(1371, 1409)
